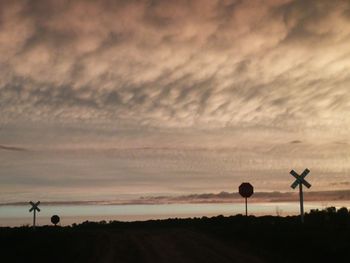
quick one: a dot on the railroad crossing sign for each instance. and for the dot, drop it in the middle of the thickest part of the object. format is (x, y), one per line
(33, 209)
(55, 219)
(300, 180)
(246, 190)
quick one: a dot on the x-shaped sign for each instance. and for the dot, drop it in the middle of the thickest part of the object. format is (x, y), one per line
(34, 206)
(300, 178)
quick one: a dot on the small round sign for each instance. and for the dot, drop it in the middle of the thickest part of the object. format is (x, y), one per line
(246, 190)
(55, 219)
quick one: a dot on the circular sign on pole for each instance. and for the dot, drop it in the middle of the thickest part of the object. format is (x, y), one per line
(246, 190)
(55, 219)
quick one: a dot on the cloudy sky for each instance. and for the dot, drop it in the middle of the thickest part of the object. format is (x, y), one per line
(105, 99)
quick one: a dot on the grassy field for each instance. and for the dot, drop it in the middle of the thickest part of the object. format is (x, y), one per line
(325, 237)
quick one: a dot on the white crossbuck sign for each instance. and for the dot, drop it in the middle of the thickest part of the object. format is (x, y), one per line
(300, 178)
(33, 209)
(34, 206)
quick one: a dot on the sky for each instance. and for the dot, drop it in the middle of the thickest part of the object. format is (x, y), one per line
(109, 99)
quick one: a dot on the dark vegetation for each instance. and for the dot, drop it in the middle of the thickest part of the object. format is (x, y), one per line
(324, 237)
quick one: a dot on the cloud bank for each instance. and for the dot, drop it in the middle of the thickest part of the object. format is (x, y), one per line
(162, 96)
(176, 63)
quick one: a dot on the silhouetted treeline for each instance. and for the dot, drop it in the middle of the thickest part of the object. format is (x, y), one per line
(324, 237)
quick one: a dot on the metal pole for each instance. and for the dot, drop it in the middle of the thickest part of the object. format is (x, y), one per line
(246, 207)
(34, 218)
(301, 202)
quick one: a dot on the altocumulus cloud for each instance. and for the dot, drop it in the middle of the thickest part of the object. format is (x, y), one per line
(176, 63)
(172, 96)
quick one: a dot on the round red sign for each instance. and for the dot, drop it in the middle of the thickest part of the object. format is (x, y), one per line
(246, 190)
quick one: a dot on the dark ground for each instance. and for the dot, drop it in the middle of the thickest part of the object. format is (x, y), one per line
(325, 237)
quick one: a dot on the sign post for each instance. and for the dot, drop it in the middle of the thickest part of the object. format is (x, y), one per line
(300, 180)
(246, 190)
(34, 208)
